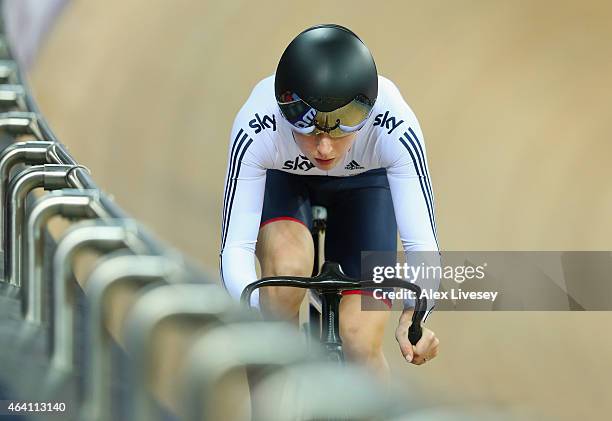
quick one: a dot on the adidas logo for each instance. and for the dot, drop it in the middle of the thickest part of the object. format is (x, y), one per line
(353, 165)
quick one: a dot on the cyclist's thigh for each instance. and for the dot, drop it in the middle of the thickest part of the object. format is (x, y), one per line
(361, 219)
(284, 244)
(285, 247)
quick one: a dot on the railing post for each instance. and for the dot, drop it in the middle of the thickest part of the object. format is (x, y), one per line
(68, 203)
(224, 349)
(48, 176)
(101, 235)
(209, 302)
(32, 153)
(121, 268)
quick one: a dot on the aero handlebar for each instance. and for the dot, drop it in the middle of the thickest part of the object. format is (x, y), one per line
(332, 278)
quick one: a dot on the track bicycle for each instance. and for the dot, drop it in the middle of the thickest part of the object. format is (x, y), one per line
(326, 287)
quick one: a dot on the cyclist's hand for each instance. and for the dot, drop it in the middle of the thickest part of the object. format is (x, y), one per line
(424, 350)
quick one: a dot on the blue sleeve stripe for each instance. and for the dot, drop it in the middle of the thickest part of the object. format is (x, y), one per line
(230, 172)
(221, 270)
(232, 182)
(423, 177)
(424, 170)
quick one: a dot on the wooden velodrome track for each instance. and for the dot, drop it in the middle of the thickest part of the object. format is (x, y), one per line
(514, 103)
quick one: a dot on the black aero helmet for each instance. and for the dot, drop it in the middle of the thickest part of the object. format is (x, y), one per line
(326, 81)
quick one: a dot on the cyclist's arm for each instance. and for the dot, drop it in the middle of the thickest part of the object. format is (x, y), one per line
(403, 154)
(414, 213)
(249, 156)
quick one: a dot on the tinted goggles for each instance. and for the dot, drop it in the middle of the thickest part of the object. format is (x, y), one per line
(307, 120)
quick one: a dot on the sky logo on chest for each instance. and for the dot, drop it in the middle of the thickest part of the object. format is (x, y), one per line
(300, 162)
(389, 123)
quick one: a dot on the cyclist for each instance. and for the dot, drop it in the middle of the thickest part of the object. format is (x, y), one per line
(326, 129)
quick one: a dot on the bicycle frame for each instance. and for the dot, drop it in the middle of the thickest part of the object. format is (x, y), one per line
(314, 308)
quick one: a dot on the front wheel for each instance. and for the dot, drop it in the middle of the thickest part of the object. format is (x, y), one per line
(334, 353)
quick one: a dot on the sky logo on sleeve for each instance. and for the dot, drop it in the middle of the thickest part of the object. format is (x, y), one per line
(259, 124)
(389, 123)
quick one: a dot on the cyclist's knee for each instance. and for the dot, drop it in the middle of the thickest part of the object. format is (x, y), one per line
(361, 344)
(282, 302)
(286, 259)
(286, 264)
(287, 296)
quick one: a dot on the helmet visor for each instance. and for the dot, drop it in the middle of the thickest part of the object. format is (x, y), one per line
(307, 120)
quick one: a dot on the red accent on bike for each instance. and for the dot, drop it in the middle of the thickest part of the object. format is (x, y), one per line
(282, 218)
(370, 293)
